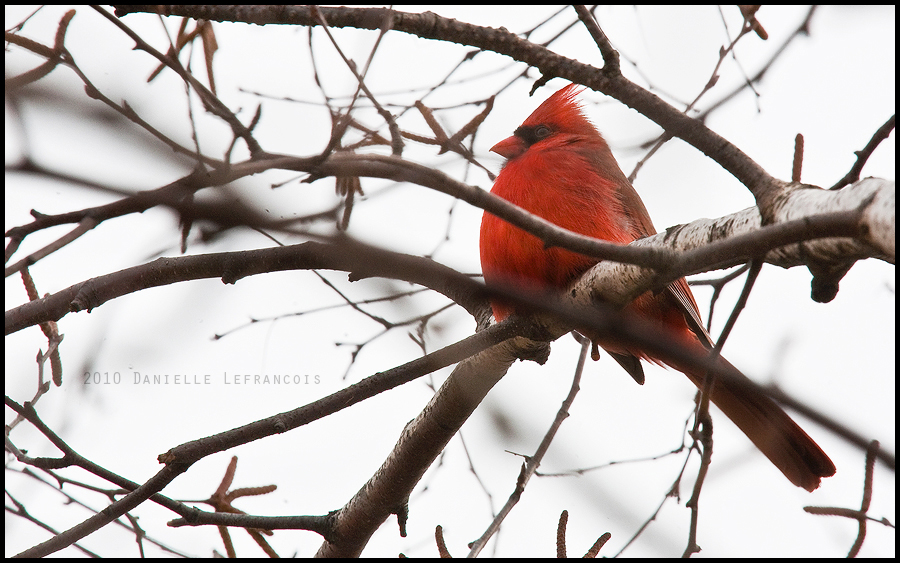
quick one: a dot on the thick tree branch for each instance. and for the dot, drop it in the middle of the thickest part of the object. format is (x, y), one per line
(344, 254)
(873, 230)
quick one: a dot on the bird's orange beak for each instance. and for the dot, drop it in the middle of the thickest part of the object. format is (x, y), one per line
(510, 147)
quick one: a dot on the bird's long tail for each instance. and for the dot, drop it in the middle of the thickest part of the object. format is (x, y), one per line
(767, 425)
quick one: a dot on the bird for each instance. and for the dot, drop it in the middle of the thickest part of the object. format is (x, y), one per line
(560, 168)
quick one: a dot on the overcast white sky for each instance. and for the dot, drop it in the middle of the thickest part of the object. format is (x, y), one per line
(835, 86)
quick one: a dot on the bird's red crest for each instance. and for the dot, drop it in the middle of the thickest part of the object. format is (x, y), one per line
(564, 111)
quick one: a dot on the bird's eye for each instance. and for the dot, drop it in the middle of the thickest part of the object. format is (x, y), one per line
(542, 131)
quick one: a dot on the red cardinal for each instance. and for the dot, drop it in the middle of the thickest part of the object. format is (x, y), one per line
(560, 168)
